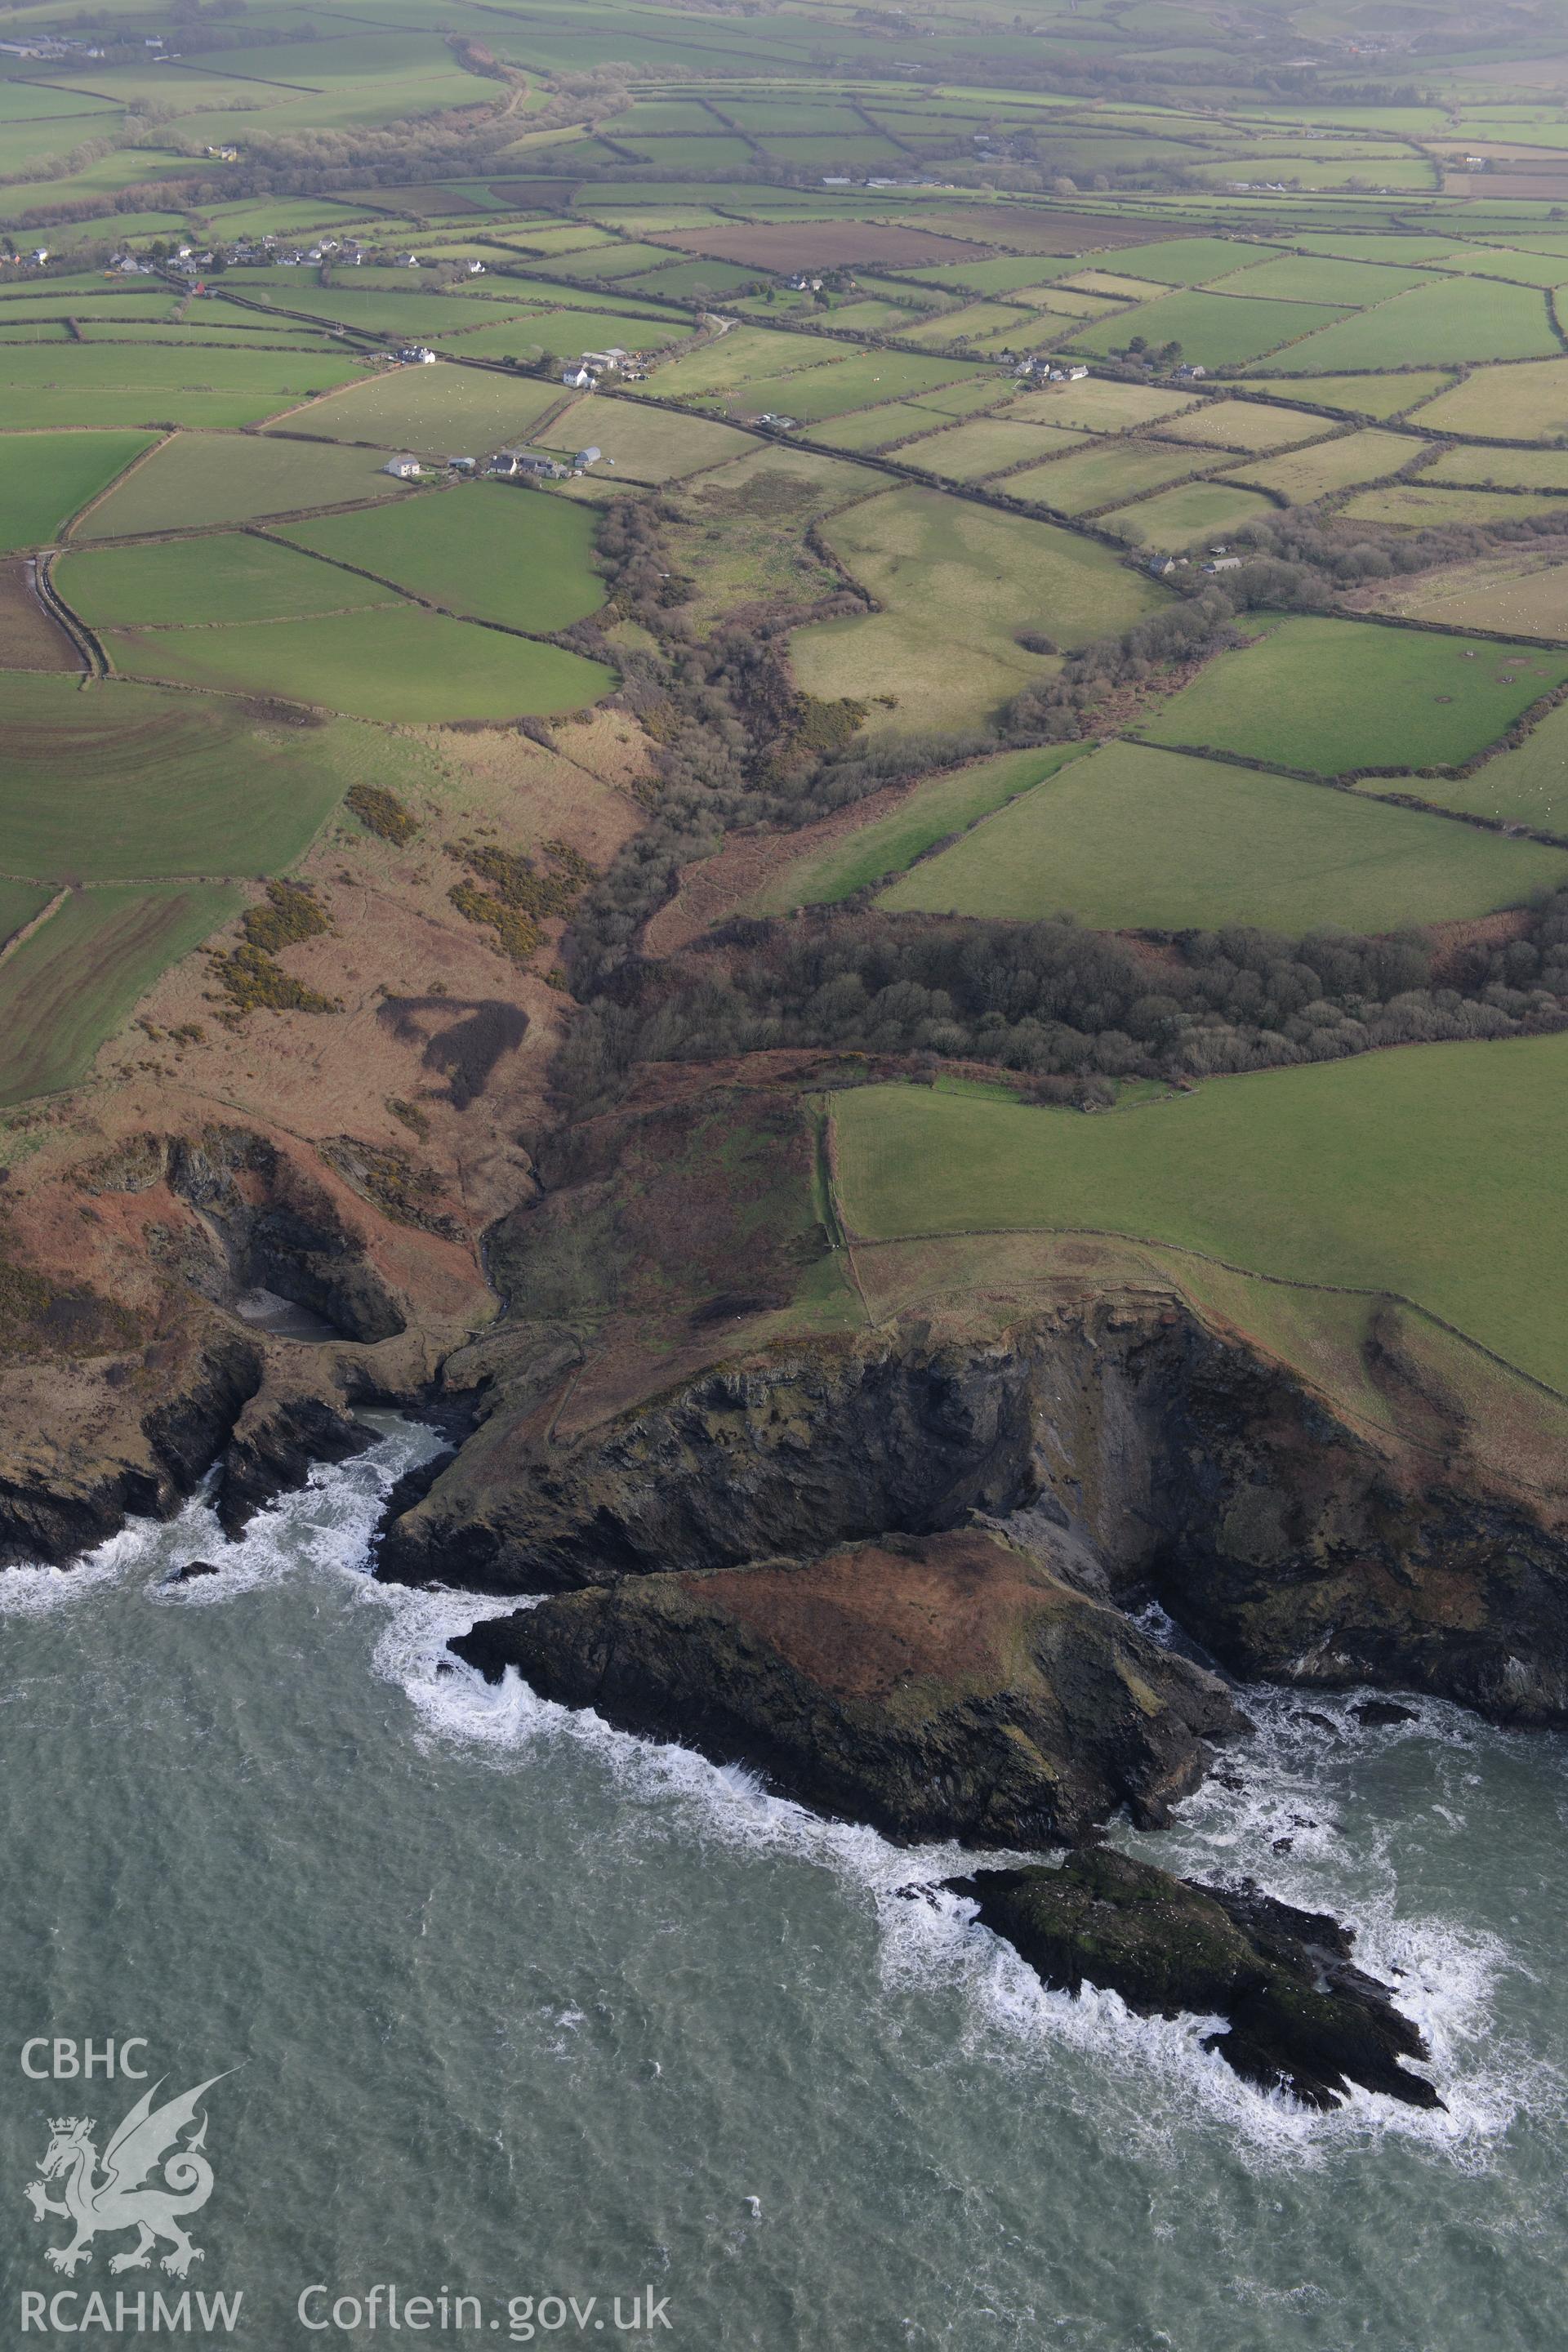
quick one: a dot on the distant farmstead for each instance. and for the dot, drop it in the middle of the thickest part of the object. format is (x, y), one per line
(406, 468)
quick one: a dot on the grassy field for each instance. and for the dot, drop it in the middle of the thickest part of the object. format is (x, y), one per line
(1194, 260)
(956, 582)
(1506, 404)
(487, 549)
(1332, 465)
(131, 386)
(1092, 406)
(1438, 1172)
(1144, 840)
(217, 577)
(70, 986)
(1412, 505)
(129, 782)
(1452, 319)
(1502, 470)
(878, 428)
(1367, 396)
(1518, 588)
(860, 382)
(1330, 695)
(404, 664)
(647, 445)
(987, 325)
(439, 410)
(942, 806)
(1186, 518)
(1316, 277)
(987, 445)
(19, 903)
(199, 478)
(44, 478)
(1527, 785)
(1108, 472)
(1218, 330)
(1245, 425)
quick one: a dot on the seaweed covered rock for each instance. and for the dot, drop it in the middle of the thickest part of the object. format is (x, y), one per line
(937, 1686)
(1300, 2015)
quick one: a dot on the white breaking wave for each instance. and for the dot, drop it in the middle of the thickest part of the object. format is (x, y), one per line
(1295, 1782)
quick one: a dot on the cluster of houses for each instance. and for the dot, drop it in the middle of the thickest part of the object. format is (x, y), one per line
(531, 464)
(1220, 560)
(588, 372)
(505, 465)
(1042, 371)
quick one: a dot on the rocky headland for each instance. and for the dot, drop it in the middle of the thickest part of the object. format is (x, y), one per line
(899, 1561)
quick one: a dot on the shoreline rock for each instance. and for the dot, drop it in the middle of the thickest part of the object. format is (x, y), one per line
(1301, 2016)
(936, 1687)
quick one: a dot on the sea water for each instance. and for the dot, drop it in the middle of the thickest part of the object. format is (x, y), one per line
(580, 2038)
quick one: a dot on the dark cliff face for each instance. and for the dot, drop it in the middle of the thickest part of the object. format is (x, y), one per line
(1180, 1463)
(935, 1686)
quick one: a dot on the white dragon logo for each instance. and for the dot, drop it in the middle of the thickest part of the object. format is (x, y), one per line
(124, 2199)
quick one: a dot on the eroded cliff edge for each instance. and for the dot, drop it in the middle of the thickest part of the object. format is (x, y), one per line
(1148, 1454)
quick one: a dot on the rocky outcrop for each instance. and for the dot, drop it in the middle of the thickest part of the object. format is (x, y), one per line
(260, 1223)
(1180, 1463)
(936, 1687)
(1299, 2014)
(133, 1441)
(273, 1451)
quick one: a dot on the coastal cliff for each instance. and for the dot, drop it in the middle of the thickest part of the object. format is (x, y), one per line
(1150, 1457)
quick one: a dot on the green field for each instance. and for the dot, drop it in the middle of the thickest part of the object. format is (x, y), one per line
(1108, 472)
(199, 478)
(416, 667)
(1192, 260)
(1143, 840)
(1313, 277)
(1507, 404)
(1245, 425)
(128, 782)
(1437, 1171)
(530, 334)
(71, 986)
(1413, 506)
(1452, 319)
(1218, 330)
(1092, 406)
(1502, 470)
(490, 550)
(215, 577)
(44, 478)
(1188, 517)
(1527, 785)
(440, 411)
(942, 806)
(645, 443)
(19, 903)
(1367, 396)
(135, 386)
(855, 383)
(957, 583)
(1332, 465)
(1330, 695)
(968, 453)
